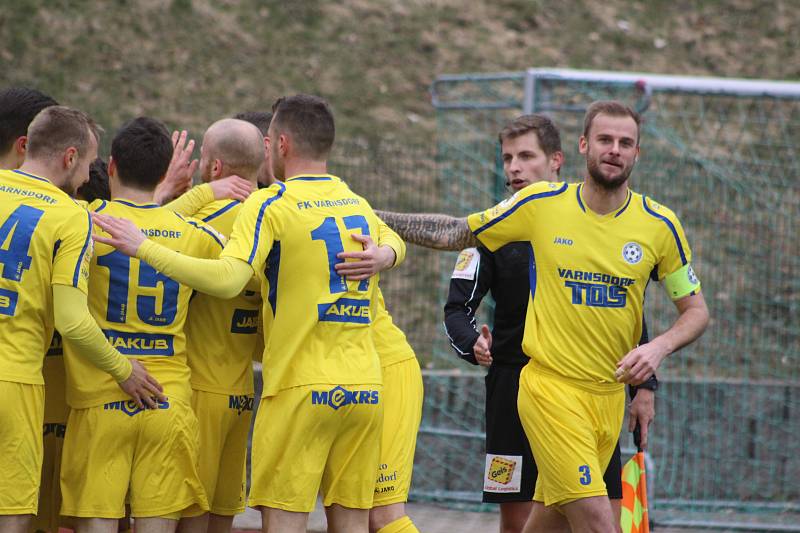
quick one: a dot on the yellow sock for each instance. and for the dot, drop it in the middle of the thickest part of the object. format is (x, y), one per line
(401, 525)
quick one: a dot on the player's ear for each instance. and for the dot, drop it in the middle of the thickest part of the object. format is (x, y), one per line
(284, 144)
(21, 145)
(556, 160)
(583, 145)
(70, 157)
(216, 168)
(112, 167)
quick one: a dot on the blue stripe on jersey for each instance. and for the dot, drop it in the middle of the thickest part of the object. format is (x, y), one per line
(221, 211)
(520, 204)
(312, 178)
(532, 271)
(670, 225)
(102, 206)
(131, 204)
(260, 218)
(83, 252)
(630, 197)
(271, 272)
(32, 176)
(578, 194)
(213, 236)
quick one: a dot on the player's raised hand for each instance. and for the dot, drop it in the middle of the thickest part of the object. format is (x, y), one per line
(124, 235)
(178, 178)
(363, 265)
(639, 364)
(233, 188)
(142, 387)
(642, 411)
(483, 347)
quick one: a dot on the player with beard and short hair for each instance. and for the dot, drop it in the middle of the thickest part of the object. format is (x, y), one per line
(531, 152)
(221, 336)
(595, 246)
(43, 283)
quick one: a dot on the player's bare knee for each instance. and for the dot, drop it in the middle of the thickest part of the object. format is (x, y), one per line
(384, 515)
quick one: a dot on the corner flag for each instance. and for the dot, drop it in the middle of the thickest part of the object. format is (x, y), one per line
(634, 492)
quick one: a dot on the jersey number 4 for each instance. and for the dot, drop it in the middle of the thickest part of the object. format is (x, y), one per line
(20, 226)
(119, 266)
(15, 242)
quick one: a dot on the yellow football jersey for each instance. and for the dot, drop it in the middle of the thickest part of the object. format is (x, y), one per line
(140, 310)
(390, 341)
(45, 239)
(222, 334)
(291, 233)
(588, 273)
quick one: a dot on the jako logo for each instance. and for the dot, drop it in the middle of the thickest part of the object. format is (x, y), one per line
(130, 408)
(339, 396)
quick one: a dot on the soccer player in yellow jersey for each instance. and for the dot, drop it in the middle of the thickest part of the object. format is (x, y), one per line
(595, 245)
(115, 449)
(221, 336)
(402, 399)
(318, 427)
(18, 107)
(45, 247)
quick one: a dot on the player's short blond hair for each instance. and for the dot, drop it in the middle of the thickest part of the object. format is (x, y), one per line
(57, 128)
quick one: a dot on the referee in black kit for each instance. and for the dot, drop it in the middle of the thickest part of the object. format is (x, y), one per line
(531, 149)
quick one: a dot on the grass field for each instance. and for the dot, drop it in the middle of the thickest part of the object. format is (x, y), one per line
(192, 61)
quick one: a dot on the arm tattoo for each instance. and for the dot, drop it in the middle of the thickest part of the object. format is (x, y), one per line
(440, 232)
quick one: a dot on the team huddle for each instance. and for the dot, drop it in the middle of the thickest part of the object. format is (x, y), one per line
(161, 310)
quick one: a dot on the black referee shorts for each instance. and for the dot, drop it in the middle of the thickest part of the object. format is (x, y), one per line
(510, 472)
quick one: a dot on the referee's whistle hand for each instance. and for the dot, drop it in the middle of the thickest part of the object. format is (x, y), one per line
(482, 347)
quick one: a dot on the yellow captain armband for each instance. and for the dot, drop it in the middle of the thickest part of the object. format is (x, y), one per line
(682, 282)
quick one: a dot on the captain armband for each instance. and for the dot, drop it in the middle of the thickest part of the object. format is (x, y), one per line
(682, 282)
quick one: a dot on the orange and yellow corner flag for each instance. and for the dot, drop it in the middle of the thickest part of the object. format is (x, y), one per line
(634, 496)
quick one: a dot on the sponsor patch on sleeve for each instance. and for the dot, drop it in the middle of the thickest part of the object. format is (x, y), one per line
(503, 473)
(467, 264)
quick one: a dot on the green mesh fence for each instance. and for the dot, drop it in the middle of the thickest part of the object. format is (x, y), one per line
(726, 440)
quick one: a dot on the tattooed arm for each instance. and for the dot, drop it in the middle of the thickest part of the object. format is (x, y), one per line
(440, 232)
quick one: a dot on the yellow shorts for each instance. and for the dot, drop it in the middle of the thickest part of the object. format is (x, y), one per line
(21, 416)
(113, 447)
(573, 433)
(317, 438)
(56, 412)
(224, 423)
(402, 411)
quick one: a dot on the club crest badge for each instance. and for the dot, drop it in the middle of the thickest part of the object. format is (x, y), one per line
(632, 253)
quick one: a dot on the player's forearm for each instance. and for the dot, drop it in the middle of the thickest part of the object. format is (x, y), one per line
(440, 232)
(461, 333)
(387, 237)
(76, 325)
(192, 200)
(691, 323)
(223, 278)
